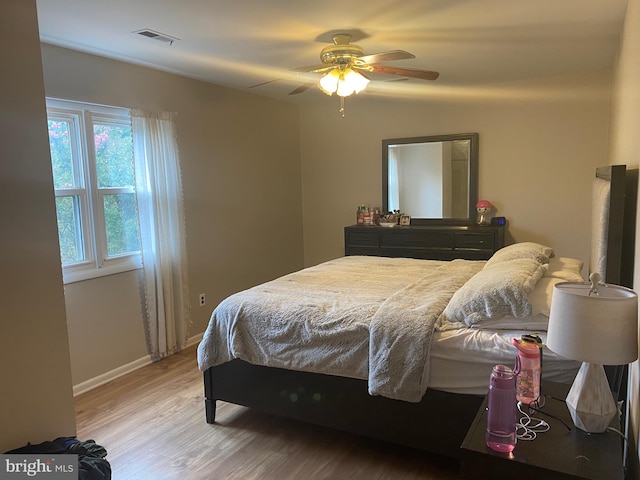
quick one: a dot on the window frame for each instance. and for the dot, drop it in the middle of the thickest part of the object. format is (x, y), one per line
(82, 117)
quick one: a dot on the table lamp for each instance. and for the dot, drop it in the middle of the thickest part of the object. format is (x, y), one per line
(596, 324)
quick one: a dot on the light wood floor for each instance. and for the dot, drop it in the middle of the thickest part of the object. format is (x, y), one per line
(152, 424)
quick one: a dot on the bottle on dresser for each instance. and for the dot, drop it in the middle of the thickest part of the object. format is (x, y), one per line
(375, 216)
(367, 216)
(360, 214)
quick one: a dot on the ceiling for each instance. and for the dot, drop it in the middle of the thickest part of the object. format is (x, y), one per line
(241, 43)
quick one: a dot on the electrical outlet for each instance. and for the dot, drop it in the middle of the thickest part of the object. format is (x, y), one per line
(203, 300)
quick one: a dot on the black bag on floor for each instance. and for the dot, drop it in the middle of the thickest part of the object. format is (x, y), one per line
(92, 463)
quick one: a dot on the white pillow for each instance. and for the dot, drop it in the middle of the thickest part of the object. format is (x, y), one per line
(560, 269)
(540, 253)
(540, 298)
(568, 269)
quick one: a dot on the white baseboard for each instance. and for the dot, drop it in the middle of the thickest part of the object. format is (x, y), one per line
(195, 339)
(110, 375)
(122, 370)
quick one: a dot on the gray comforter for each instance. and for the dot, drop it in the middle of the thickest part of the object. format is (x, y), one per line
(363, 317)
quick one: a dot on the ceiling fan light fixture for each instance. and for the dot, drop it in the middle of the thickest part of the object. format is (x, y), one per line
(343, 81)
(355, 81)
(329, 82)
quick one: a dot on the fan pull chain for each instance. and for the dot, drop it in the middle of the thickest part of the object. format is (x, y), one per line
(342, 106)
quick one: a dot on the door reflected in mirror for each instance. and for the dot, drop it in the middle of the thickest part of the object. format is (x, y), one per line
(432, 179)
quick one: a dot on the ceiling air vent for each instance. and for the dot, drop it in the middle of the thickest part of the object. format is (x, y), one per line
(162, 37)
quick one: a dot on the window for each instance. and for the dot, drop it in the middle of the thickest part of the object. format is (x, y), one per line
(93, 176)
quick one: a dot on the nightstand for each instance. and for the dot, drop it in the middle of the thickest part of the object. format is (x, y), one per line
(559, 453)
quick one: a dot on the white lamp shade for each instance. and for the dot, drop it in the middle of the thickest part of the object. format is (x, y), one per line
(600, 329)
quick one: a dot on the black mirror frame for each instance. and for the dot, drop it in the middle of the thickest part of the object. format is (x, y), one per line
(473, 175)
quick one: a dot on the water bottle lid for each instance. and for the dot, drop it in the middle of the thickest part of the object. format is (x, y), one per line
(527, 349)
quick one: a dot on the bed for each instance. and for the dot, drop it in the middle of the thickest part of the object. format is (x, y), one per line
(392, 348)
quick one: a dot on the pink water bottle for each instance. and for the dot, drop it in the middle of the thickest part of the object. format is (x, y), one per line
(528, 379)
(501, 410)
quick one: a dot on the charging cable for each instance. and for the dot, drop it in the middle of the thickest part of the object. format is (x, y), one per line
(528, 427)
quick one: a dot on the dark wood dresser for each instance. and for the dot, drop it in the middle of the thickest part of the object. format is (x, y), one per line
(441, 242)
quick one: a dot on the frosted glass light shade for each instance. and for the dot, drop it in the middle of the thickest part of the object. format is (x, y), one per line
(329, 82)
(343, 81)
(356, 81)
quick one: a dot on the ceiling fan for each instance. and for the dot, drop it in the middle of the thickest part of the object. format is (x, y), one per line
(342, 58)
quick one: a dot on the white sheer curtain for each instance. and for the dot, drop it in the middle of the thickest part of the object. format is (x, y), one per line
(162, 232)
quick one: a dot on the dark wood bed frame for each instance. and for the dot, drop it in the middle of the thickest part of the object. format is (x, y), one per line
(438, 423)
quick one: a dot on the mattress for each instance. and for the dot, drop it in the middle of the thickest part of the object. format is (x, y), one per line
(462, 359)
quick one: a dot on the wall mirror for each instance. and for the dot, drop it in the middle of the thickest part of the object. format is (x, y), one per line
(434, 179)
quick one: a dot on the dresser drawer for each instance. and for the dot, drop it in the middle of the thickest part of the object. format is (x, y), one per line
(363, 238)
(477, 241)
(414, 239)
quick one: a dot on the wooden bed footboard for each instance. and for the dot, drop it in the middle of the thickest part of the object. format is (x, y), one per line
(437, 424)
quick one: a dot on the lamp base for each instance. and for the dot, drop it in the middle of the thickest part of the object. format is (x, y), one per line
(590, 400)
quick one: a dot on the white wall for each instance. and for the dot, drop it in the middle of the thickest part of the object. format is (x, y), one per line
(242, 188)
(36, 402)
(625, 150)
(540, 143)
(105, 326)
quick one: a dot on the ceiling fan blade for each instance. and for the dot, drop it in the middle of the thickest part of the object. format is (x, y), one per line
(300, 89)
(264, 83)
(386, 56)
(407, 72)
(313, 68)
